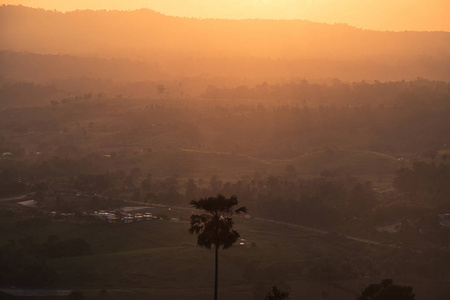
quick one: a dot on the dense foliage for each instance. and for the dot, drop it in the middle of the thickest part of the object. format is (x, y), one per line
(387, 290)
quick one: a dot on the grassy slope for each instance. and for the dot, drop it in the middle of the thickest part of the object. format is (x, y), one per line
(160, 259)
(187, 163)
(354, 162)
(192, 163)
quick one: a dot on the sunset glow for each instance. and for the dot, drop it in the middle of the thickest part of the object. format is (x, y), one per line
(376, 15)
(305, 144)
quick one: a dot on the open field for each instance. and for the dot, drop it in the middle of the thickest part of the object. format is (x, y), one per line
(229, 138)
(158, 259)
(187, 163)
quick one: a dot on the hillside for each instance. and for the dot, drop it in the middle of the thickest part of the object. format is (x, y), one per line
(146, 30)
(346, 161)
(160, 258)
(264, 48)
(202, 164)
(353, 134)
(121, 130)
(50, 68)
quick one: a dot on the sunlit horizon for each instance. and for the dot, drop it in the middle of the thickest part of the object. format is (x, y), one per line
(133, 132)
(371, 15)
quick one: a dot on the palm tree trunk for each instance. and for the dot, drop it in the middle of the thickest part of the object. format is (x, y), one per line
(216, 282)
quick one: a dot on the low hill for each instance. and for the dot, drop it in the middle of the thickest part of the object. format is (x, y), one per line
(46, 68)
(243, 48)
(352, 162)
(197, 164)
(232, 166)
(140, 30)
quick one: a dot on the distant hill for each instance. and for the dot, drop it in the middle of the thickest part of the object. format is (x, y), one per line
(50, 67)
(265, 48)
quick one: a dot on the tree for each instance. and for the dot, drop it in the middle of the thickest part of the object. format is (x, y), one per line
(387, 290)
(276, 294)
(191, 189)
(215, 228)
(291, 173)
(160, 88)
(214, 184)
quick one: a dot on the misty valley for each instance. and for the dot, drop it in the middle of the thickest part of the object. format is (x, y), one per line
(315, 168)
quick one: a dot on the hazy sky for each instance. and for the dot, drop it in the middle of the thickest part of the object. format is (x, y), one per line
(369, 14)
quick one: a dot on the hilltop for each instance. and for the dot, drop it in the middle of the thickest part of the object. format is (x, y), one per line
(252, 48)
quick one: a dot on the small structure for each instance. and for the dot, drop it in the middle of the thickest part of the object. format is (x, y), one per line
(110, 217)
(128, 218)
(7, 154)
(148, 216)
(28, 203)
(240, 242)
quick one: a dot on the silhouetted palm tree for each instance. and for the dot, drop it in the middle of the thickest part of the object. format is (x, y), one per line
(216, 227)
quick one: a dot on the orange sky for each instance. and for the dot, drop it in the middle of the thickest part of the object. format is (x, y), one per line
(397, 15)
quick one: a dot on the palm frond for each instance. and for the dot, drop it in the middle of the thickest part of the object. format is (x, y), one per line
(242, 209)
(215, 228)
